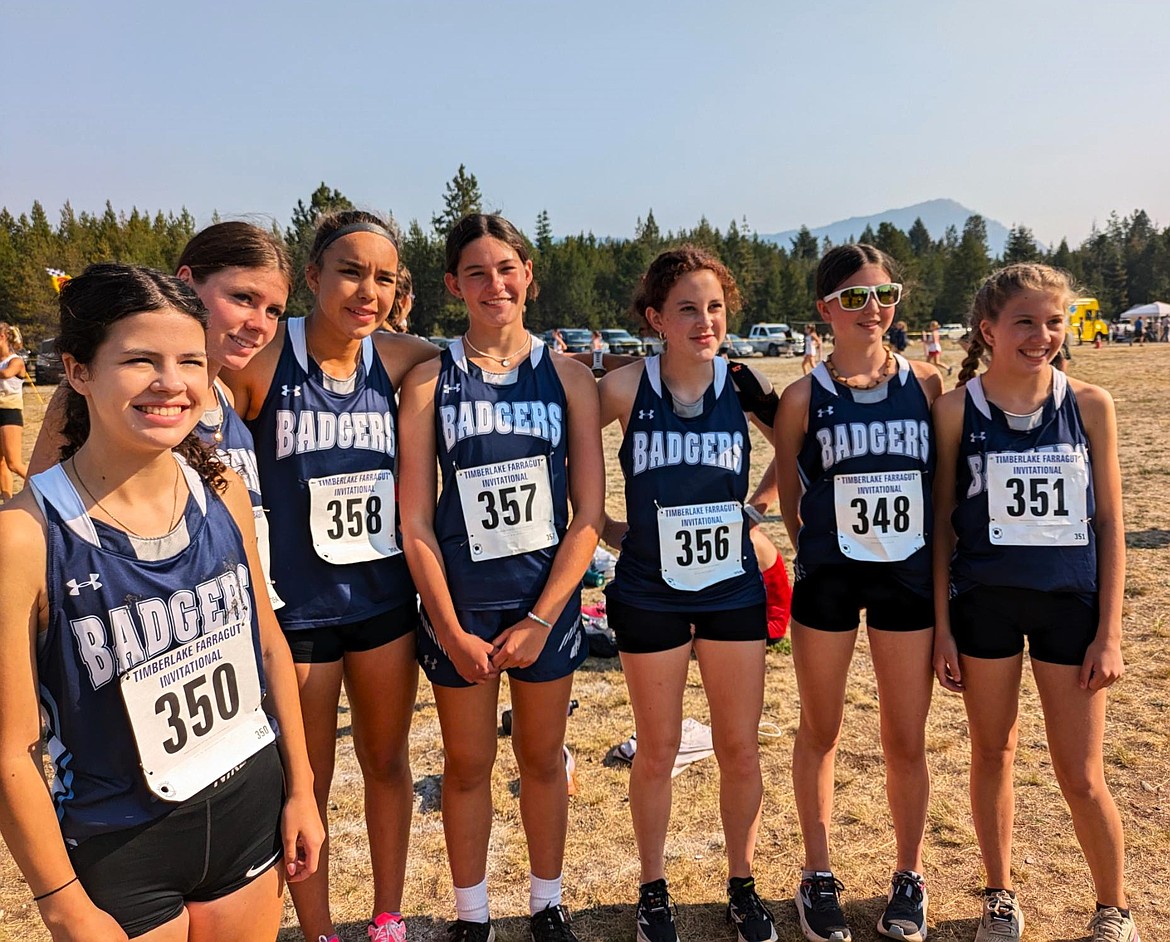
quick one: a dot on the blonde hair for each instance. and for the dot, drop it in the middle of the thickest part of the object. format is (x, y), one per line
(11, 333)
(999, 288)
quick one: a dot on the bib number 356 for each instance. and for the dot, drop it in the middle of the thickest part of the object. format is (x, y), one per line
(700, 544)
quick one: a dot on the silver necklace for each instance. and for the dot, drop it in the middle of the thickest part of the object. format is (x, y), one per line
(174, 504)
(503, 361)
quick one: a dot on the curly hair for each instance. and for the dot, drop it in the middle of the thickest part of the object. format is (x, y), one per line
(665, 271)
(999, 288)
(90, 305)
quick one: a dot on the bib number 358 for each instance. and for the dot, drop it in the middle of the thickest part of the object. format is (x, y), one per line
(351, 517)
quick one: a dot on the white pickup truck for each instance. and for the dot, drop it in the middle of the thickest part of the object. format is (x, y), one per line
(773, 339)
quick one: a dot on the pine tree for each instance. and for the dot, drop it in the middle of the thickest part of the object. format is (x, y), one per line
(299, 239)
(461, 198)
(1021, 246)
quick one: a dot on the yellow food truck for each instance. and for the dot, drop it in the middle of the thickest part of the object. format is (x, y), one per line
(1084, 321)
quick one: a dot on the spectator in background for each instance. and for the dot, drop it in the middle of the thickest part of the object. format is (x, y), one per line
(1139, 331)
(12, 376)
(595, 340)
(898, 337)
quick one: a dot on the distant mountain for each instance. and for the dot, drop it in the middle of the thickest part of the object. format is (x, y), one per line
(936, 216)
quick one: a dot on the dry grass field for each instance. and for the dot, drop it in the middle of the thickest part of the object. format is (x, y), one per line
(601, 870)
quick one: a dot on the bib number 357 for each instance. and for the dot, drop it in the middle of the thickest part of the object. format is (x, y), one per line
(507, 507)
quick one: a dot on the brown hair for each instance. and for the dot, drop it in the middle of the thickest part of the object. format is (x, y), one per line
(845, 261)
(665, 271)
(999, 288)
(476, 226)
(403, 289)
(235, 245)
(90, 305)
(330, 223)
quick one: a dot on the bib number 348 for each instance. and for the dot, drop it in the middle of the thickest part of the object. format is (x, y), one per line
(879, 516)
(700, 544)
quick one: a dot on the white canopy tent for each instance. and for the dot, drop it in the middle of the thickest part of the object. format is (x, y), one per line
(1153, 309)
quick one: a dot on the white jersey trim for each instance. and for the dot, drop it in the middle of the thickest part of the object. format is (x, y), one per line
(654, 374)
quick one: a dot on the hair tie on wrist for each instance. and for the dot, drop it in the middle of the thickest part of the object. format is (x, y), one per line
(37, 899)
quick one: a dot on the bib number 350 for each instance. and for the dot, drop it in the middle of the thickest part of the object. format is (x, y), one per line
(196, 711)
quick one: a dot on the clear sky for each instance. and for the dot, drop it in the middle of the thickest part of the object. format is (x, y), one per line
(1041, 112)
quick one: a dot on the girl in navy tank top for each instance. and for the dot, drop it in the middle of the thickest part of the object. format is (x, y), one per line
(687, 577)
(497, 563)
(320, 402)
(242, 274)
(1031, 550)
(128, 580)
(854, 459)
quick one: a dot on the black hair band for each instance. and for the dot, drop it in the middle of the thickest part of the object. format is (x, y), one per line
(37, 899)
(352, 228)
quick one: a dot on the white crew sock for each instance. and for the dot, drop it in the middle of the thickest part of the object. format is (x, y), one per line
(471, 902)
(543, 893)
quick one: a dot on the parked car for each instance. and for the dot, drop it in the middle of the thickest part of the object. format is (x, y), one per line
(577, 340)
(441, 342)
(49, 371)
(622, 341)
(771, 339)
(955, 332)
(735, 346)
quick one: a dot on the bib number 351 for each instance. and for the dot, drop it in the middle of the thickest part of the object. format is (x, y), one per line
(1037, 498)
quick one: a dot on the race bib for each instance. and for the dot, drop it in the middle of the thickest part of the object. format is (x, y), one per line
(264, 545)
(351, 517)
(700, 544)
(507, 507)
(880, 515)
(195, 711)
(1038, 498)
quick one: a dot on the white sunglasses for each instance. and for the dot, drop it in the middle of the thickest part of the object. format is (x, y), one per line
(857, 297)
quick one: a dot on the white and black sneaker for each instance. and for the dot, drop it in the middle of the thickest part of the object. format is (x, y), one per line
(818, 905)
(905, 915)
(747, 912)
(462, 931)
(655, 913)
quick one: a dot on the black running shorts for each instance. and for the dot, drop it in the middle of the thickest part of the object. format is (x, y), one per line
(831, 598)
(993, 621)
(332, 642)
(641, 631)
(208, 847)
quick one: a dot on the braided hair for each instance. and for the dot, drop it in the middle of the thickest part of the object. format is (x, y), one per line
(996, 291)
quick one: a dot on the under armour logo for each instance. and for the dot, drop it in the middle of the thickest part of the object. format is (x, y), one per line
(978, 437)
(284, 390)
(827, 410)
(451, 389)
(645, 413)
(75, 587)
(430, 661)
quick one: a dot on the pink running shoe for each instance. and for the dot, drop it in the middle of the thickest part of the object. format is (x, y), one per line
(387, 927)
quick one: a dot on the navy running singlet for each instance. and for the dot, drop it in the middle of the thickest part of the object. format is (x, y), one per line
(867, 465)
(1024, 499)
(688, 546)
(327, 464)
(236, 450)
(150, 669)
(502, 448)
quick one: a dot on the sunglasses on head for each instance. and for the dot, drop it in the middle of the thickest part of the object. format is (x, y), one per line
(857, 297)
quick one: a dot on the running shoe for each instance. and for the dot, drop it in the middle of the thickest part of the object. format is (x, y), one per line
(818, 904)
(462, 931)
(1112, 925)
(905, 915)
(1002, 919)
(552, 925)
(655, 914)
(387, 927)
(331, 938)
(747, 912)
